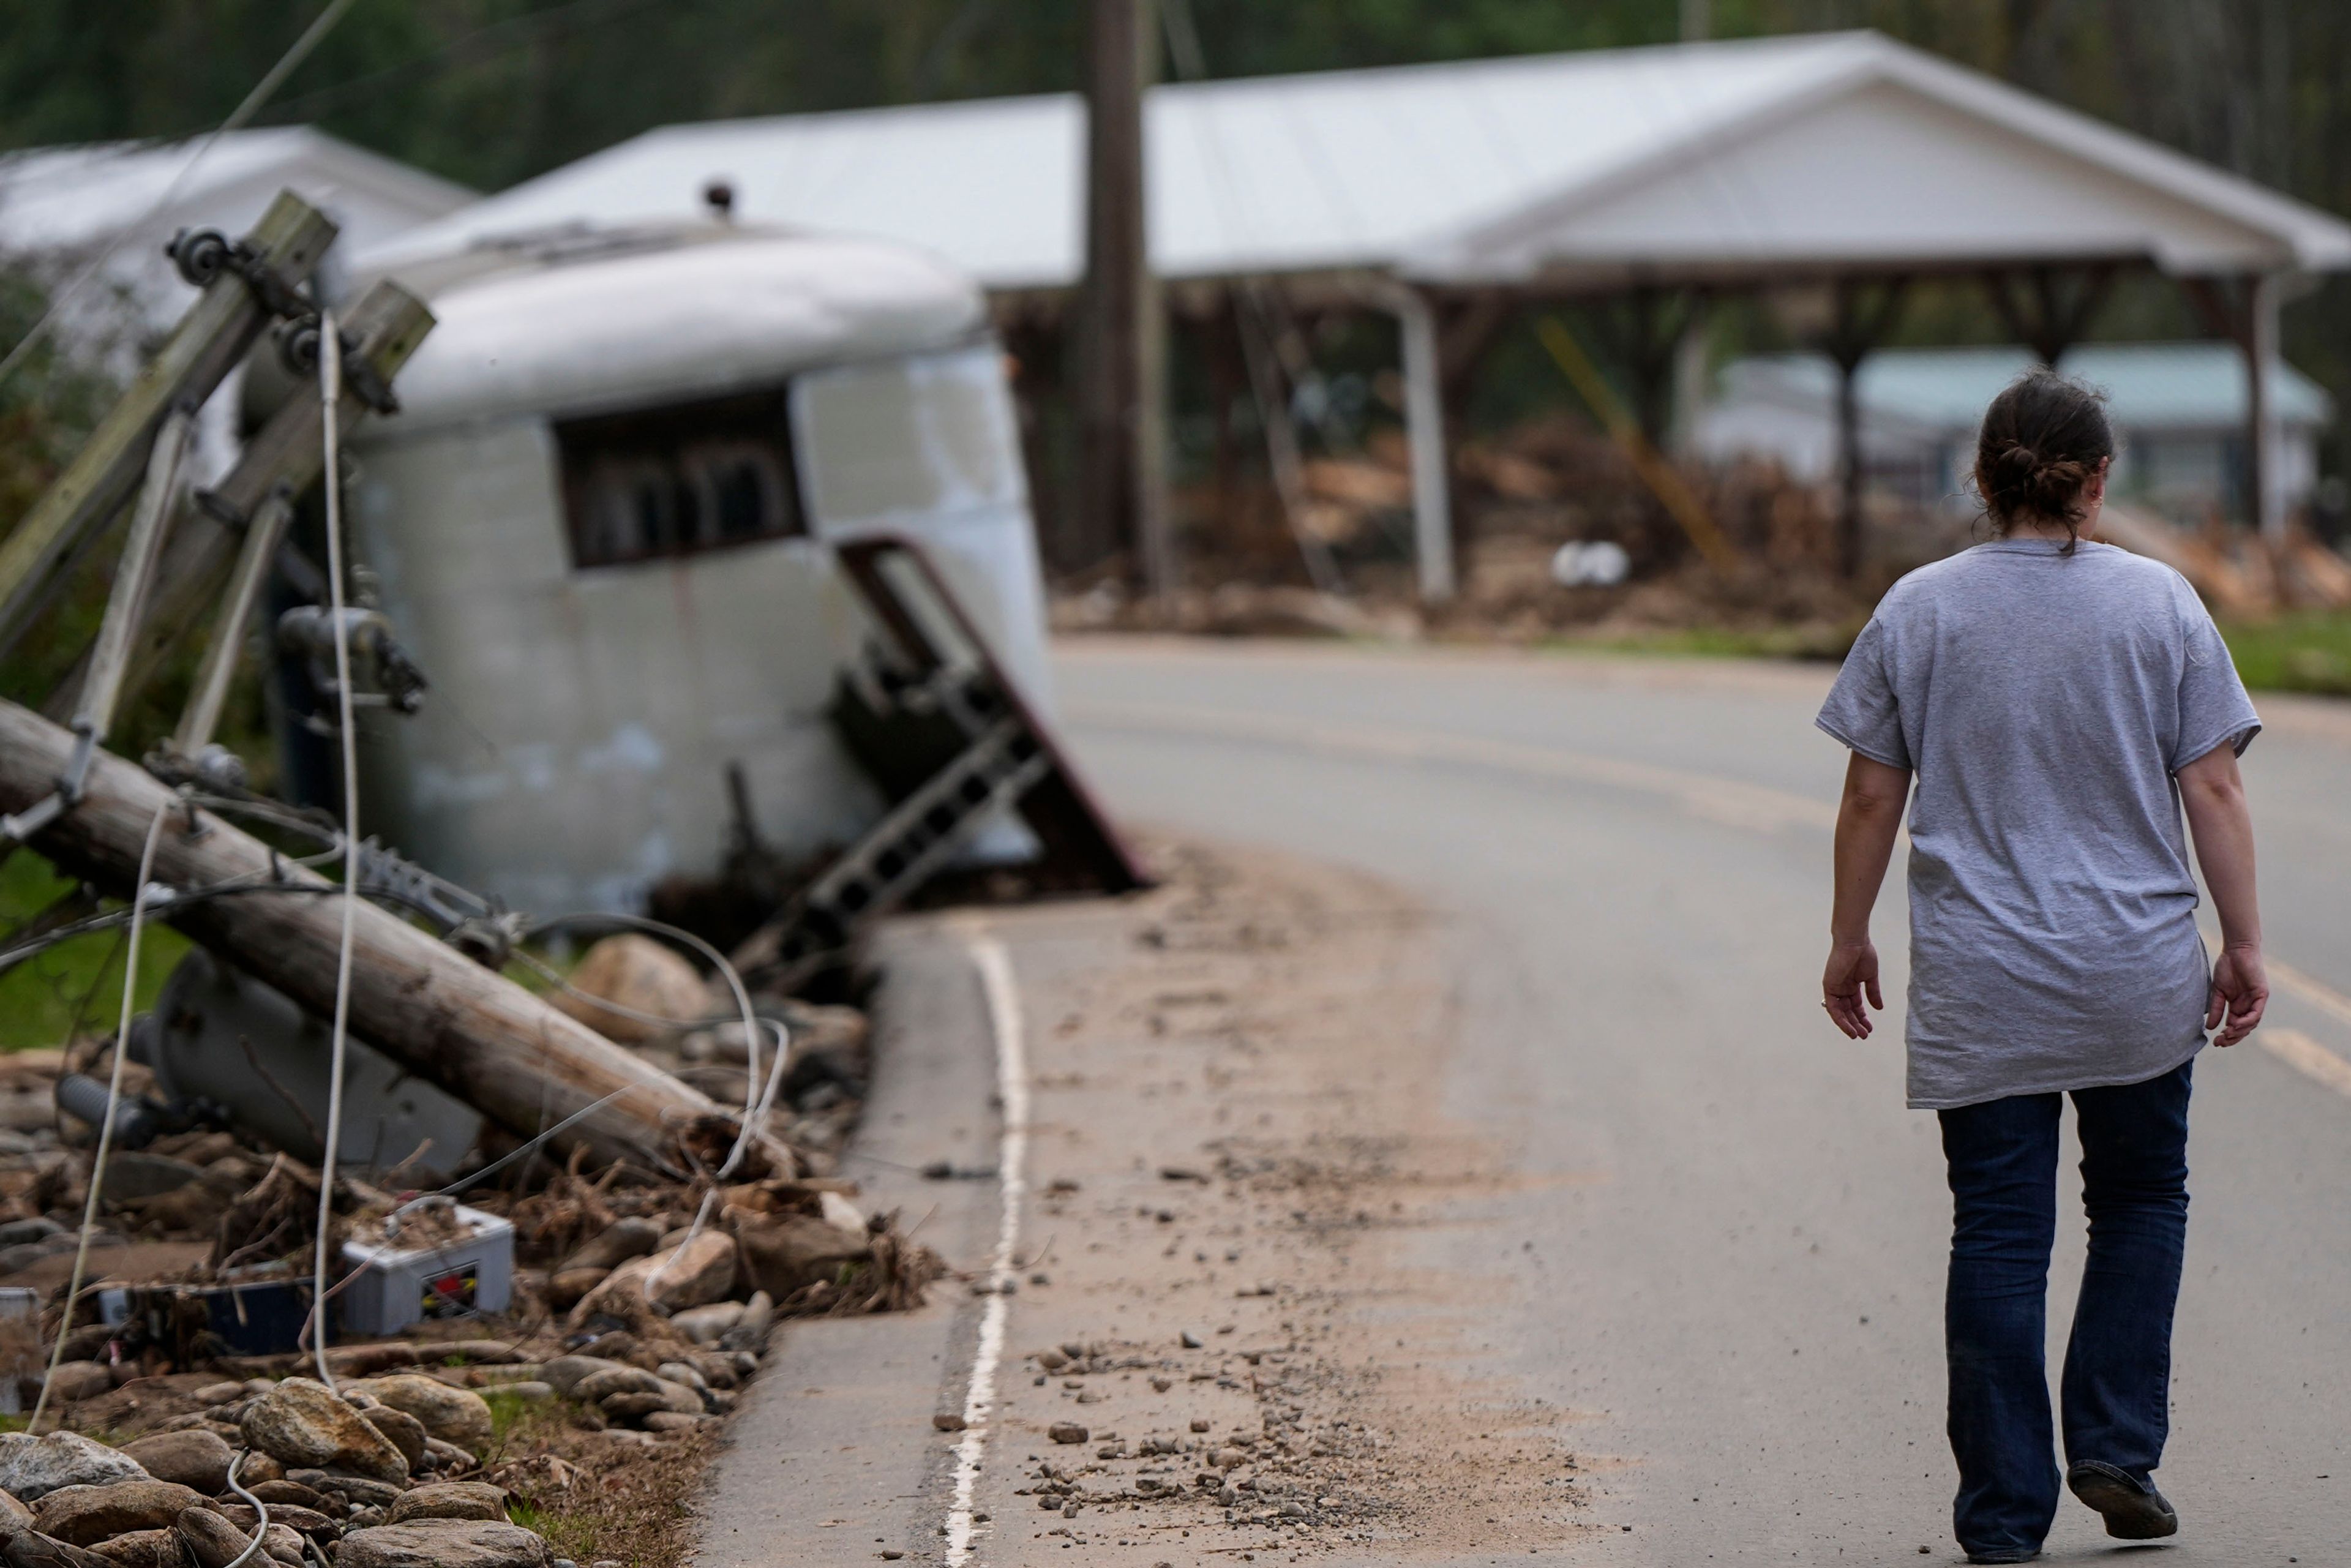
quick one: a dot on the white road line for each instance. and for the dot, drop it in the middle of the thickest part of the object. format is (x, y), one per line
(2306, 1056)
(995, 967)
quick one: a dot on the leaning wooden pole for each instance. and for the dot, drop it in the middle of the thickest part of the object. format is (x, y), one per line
(206, 345)
(421, 1002)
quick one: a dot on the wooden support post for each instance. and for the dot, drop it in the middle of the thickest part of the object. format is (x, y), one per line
(382, 331)
(209, 341)
(1860, 325)
(1424, 424)
(417, 999)
(2245, 312)
(1466, 330)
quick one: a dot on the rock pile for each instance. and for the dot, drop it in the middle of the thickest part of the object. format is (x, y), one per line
(329, 1478)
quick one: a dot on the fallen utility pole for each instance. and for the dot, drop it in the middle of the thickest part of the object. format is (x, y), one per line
(245, 284)
(417, 999)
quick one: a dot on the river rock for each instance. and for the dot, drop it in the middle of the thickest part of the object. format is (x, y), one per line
(32, 1468)
(31, 1549)
(215, 1542)
(566, 1372)
(784, 1253)
(615, 1245)
(302, 1423)
(668, 1396)
(75, 1380)
(441, 1455)
(293, 1516)
(456, 1416)
(693, 1273)
(641, 975)
(708, 1325)
(450, 1499)
(406, 1431)
(197, 1457)
(599, 1386)
(85, 1515)
(566, 1287)
(444, 1543)
(142, 1549)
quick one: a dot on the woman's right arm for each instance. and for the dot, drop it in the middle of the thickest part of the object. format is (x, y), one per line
(2212, 793)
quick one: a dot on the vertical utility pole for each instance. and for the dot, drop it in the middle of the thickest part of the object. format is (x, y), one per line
(1121, 334)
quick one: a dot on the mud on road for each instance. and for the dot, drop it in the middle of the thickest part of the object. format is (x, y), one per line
(1237, 1146)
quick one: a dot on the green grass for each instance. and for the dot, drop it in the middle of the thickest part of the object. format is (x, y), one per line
(76, 986)
(2309, 651)
(2305, 653)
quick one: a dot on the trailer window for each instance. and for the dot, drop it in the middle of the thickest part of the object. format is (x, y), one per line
(677, 480)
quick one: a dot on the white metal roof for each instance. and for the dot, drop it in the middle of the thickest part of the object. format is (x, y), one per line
(583, 323)
(61, 202)
(1495, 168)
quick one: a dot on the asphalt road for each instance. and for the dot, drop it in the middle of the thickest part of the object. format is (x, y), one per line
(1727, 1256)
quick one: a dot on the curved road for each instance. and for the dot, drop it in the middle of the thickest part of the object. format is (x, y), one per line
(1744, 1250)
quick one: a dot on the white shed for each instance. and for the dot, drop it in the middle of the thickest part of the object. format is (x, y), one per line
(2177, 409)
(602, 523)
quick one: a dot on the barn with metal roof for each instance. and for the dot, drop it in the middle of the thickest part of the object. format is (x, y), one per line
(1843, 163)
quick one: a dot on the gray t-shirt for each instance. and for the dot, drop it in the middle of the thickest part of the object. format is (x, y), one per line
(2045, 702)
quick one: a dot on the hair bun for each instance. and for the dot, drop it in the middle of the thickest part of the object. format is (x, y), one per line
(2042, 441)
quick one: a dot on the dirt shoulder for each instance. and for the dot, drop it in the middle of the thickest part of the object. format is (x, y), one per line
(1236, 1155)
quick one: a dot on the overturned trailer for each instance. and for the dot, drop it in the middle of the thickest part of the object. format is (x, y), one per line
(606, 522)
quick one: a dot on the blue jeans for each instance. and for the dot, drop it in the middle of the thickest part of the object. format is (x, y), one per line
(2003, 1171)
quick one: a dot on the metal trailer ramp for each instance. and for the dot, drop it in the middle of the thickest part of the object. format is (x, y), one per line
(933, 717)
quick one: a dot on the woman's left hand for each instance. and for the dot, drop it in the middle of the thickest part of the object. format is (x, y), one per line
(1851, 973)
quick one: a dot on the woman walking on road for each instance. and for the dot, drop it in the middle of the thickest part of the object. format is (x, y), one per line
(2060, 702)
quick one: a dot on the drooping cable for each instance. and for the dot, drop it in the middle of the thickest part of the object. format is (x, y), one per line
(270, 83)
(113, 1099)
(752, 1100)
(331, 383)
(260, 1515)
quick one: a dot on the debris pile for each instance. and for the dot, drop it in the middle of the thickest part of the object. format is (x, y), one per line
(1560, 535)
(610, 1305)
(370, 1130)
